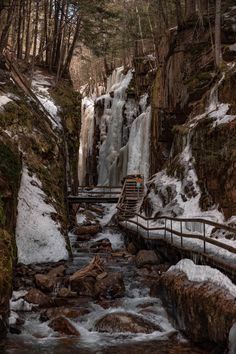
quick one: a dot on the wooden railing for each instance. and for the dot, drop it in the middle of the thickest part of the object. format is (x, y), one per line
(171, 227)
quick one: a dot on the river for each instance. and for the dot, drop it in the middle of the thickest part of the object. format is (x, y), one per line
(37, 337)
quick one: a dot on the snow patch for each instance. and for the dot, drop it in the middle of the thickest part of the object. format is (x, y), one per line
(38, 237)
(199, 273)
(41, 85)
(4, 99)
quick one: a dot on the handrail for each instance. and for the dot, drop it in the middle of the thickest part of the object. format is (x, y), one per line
(172, 231)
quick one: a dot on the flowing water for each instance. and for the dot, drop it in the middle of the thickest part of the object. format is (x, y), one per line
(37, 337)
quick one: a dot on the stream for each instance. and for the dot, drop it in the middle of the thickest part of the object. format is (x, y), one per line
(37, 337)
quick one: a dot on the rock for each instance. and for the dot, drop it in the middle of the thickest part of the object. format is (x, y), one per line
(110, 287)
(204, 311)
(57, 272)
(88, 230)
(125, 322)
(83, 238)
(147, 257)
(84, 286)
(103, 245)
(44, 282)
(65, 292)
(51, 313)
(131, 248)
(64, 326)
(14, 329)
(37, 297)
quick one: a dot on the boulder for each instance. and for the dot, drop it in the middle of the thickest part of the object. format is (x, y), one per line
(44, 282)
(37, 297)
(110, 286)
(84, 286)
(64, 326)
(87, 230)
(117, 322)
(147, 257)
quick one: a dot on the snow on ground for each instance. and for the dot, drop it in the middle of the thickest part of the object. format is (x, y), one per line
(4, 99)
(41, 85)
(199, 273)
(38, 237)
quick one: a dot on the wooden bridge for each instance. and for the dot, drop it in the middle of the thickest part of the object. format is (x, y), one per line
(98, 194)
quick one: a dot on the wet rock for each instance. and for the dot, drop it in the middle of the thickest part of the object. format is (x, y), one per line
(132, 249)
(87, 230)
(147, 257)
(125, 322)
(37, 297)
(84, 286)
(65, 292)
(51, 313)
(44, 282)
(84, 238)
(64, 326)
(14, 329)
(57, 272)
(103, 245)
(110, 287)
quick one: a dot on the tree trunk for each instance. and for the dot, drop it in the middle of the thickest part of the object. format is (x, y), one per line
(218, 54)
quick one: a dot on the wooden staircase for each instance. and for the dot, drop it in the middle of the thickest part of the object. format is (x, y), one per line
(131, 197)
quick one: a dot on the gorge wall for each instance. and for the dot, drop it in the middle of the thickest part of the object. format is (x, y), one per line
(37, 169)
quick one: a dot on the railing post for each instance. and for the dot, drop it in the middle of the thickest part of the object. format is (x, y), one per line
(204, 235)
(171, 226)
(181, 231)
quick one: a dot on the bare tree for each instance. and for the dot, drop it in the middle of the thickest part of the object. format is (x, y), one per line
(218, 53)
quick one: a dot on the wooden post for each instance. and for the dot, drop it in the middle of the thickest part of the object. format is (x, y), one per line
(148, 227)
(181, 231)
(171, 226)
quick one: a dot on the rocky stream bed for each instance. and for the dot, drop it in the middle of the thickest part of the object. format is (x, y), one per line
(101, 301)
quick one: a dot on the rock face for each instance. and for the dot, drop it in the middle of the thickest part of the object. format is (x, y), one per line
(204, 312)
(125, 322)
(146, 257)
(64, 326)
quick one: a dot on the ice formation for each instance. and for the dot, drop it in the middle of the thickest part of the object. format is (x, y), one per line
(86, 136)
(124, 130)
(38, 237)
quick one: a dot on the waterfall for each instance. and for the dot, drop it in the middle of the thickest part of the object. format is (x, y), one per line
(123, 123)
(112, 122)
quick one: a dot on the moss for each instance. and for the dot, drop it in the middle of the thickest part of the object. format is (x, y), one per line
(2, 212)
(9, 164)
(6, 265)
